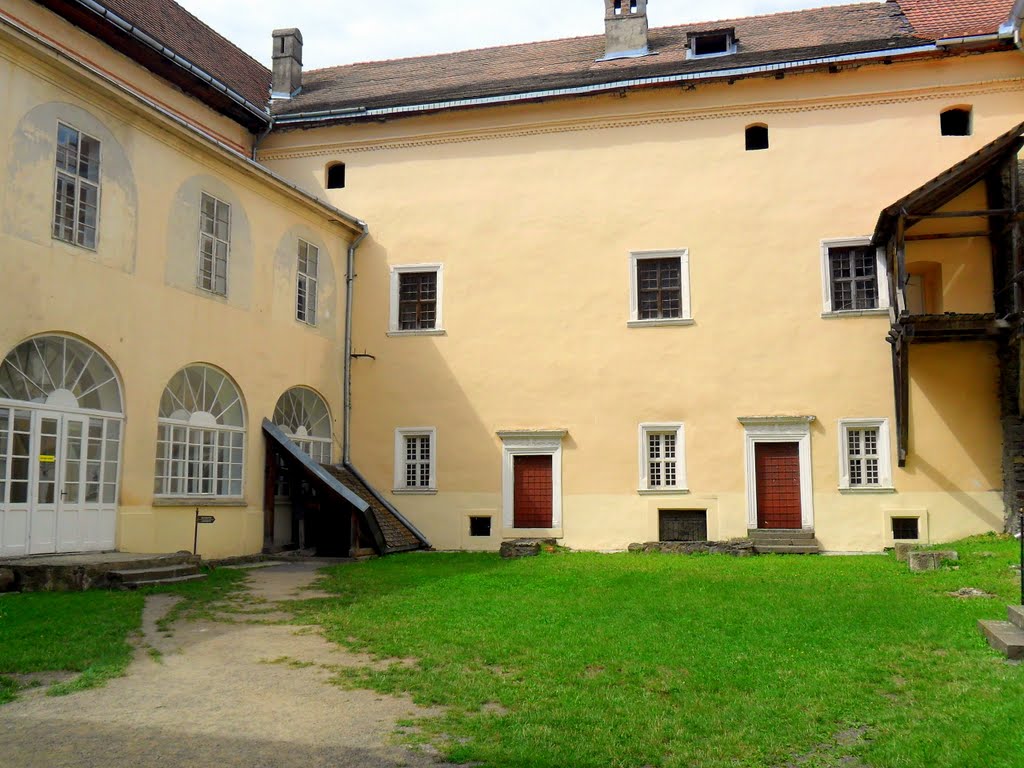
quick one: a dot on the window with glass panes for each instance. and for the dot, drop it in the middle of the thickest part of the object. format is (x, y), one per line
(417, 461)
(661, 460)
(862, 455)
(77, 193)
(417, 300)
(214, 244)
(659, 288)
(305, 289)
(853, 278)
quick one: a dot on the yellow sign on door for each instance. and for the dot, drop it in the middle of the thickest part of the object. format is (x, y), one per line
(44, 459)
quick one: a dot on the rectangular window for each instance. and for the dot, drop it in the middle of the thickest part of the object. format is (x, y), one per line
(660, 288)
(214, 244)
(865, 454)
(77, 192)
(416, 299)
(305, 290)
(661, 458)
(415, 460)
(192, 461)
(851, 272)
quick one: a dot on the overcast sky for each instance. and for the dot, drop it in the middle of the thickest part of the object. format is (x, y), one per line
(346, 31)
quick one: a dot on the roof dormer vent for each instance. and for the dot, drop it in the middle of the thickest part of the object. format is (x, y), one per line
(712, 42)
(287, 58)
(625, 28)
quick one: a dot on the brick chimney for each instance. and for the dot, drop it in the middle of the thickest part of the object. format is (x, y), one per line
(625, 28)
(287, 80)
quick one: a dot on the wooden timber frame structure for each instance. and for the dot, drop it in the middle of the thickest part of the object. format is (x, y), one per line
(996, 166)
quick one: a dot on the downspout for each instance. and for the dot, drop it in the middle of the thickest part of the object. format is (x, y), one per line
(346, 394)
(259, 140)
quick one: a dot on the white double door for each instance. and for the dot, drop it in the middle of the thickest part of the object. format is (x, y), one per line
(64, 510)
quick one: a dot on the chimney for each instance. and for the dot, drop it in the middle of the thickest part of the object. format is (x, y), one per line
(287, 64)
(625, 28)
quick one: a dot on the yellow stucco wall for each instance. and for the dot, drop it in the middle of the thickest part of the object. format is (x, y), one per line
(135, 299)
(533, 211)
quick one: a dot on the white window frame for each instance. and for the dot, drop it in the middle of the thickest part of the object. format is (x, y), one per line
(675, 428)
(400, 462)
(78, 182)
(397, 271)
(884, 483)
(685, 314)
(730, 36)
(185, 464)
(227, 257)
(881, 278)
(779, 429)
(543, 442)
(308, 282)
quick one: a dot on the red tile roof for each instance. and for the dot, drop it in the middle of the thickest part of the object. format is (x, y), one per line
(956, 18)
(762, 40)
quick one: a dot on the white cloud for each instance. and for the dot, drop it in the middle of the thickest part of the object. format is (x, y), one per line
(341, 32)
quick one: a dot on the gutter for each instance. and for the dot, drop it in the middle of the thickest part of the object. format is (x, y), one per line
(346, 384)
(320, 116)
(333, 214)
(169, 54)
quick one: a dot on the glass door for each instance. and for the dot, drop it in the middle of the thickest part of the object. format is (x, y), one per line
(72, 467)
(46, 431)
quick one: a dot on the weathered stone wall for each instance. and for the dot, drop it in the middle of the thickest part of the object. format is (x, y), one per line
(734, 547)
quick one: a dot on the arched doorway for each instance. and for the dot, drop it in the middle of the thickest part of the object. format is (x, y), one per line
(61, 422)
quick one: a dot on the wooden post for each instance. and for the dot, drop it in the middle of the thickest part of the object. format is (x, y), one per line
(269, 486)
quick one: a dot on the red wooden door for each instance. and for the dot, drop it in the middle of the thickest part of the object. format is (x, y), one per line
(532, 490)
(777, 468)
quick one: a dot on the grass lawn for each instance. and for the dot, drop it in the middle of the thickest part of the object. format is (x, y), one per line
(85, 632)
(661, 660)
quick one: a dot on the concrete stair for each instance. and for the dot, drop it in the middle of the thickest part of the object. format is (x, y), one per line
(151, 576)
(784, 542)
(1007, 637)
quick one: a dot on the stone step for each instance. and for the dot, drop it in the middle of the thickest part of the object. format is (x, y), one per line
(1005, 637)
(805, 548)
(150, 574)
(1016, 615)
(159, 582)
(783, 541)
(788, 533)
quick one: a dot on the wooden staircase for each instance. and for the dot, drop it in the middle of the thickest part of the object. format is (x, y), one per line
(784, 541)
(1007, 637)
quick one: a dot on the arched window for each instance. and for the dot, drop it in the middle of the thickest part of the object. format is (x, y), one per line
(956, 121)
(201, 435)
(304, 417)
(61, 372)
(336, 176)
(757, 137)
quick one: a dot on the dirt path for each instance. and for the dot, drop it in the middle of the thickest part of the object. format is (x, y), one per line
(210, 695)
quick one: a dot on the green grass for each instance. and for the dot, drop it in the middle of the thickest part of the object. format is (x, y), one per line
(88, 632)
(660, 660)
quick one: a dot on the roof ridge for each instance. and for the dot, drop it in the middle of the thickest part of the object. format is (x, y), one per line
(428, 56)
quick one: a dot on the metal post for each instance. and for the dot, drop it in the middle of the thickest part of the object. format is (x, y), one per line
(195, 539)
(1020, 534)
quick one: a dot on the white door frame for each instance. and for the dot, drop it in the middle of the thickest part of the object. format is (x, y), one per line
(779, 429)
(545, 442)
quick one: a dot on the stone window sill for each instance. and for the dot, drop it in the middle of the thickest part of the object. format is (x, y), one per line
(420, 332)
(859, 491)
(856, 313)
(663, 491)
(414, 491)
(659, 323)
(198, 501)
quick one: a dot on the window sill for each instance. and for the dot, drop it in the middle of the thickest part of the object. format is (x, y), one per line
(198, 501)
(663, 491)
(414, 491)
(660, 322)
(420, 332)
(874, 489)
(856, 313)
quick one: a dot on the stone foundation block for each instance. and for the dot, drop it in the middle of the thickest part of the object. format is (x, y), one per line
(6, 579)
(930, 561)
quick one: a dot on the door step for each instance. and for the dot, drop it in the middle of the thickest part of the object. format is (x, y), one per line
(773, 541)
(1005, 637)
(134, 578)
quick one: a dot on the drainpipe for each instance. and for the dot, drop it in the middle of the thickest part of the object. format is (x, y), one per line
(259, 140)
(346, 411)
(1012, 26)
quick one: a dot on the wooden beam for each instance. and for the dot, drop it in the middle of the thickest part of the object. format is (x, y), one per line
(901, 266)
(963, 214)
(948, 235)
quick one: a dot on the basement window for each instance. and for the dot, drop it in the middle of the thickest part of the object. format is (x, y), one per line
(480, 526)
(757, 137)
(682, 525)
(336, 176)
(905, 529)
(719, 42)
(956, 121)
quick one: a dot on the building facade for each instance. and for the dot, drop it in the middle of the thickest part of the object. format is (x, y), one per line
(616, 289)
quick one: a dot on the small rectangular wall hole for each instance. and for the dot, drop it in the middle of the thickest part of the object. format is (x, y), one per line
(905, 529)
(682, 525)
(480, 526)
